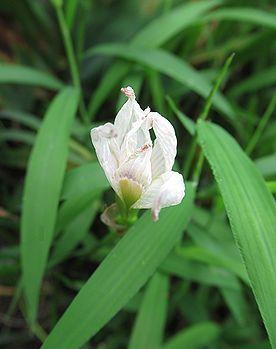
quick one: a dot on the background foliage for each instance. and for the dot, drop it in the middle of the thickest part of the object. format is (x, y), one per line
(203, 276)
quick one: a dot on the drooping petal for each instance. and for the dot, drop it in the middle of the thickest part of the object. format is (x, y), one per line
(104, 139)
(128, 115)
(164, 149)
(167, 190)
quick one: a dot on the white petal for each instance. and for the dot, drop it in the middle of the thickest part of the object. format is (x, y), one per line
(167, 190)
(137, 167)
(136, 138)
(128, 115)
(164, 150)
(105, 144)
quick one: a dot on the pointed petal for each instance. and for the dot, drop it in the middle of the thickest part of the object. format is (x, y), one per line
(167, 190)
(128, 115)
(164, 149)
(105, 143)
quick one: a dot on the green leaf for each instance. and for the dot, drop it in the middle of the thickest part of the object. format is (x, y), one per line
(243, 14)
(84, 178)
(74, 232)
(155, 34)
(195, 337)
(18, 74)
(207, 275)
(160, 30)
(150, 321)
(129, 265)
(170, 65)
(251, 211)
(255, 82)
(42, 189)
(267, 165)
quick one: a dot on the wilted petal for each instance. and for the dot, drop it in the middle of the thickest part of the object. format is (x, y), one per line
(164, 150)
(128, 115)
(105, 144)
(167, 190)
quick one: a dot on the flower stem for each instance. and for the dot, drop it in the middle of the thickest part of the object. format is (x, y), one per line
(71, 58)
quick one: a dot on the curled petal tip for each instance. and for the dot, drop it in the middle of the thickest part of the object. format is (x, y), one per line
(128, 91)
(154, 215)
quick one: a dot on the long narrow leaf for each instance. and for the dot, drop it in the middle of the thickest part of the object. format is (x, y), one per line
(168, 64)
(121, 274)
(17, 74)
(251, 211)
(42, 190)
(150, 321)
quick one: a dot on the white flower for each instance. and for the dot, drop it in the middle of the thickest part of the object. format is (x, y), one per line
(137, 168)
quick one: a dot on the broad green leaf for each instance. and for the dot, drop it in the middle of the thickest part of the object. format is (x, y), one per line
(243, 14)
(42, 189)
(159, 31)
(195, 337)
(84, 178)
(18, 74)
(127, 267)
(251, 211)
(170, 65)
(151, 318)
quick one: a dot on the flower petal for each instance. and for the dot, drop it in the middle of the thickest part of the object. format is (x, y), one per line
(164, 149)
(167, 190)
(137, 167)
(104, 139)
(128, 115)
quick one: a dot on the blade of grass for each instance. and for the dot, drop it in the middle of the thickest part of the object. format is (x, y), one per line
(251, 211)
(150, 321)
(194, 337)
(203, 116)
(129, 265)
(19, 74)
(168, 64)
(159, 31)
(261, 126)
(43, 184)
(243, 14)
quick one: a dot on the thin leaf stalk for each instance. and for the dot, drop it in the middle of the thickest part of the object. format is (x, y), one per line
(72, 60)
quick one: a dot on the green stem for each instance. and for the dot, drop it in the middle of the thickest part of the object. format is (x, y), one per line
(79, 148)
(260, 128)
(39, 332)
(203, 116)
(71, 58)
(271, 186)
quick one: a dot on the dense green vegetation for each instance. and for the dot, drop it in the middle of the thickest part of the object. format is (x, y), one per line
(204, 274)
